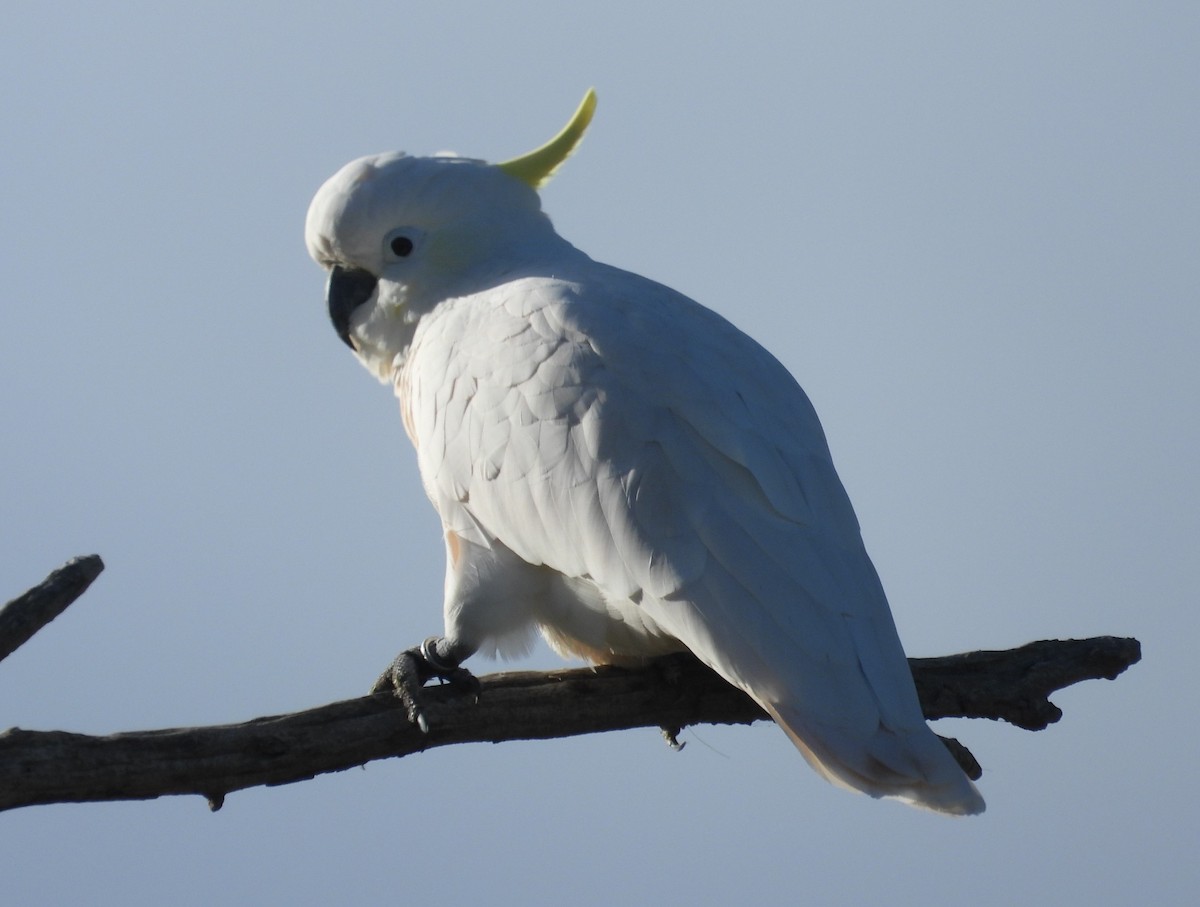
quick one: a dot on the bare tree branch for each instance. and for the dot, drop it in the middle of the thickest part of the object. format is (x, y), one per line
(1014, 685)
(670, 693)
(26, 614)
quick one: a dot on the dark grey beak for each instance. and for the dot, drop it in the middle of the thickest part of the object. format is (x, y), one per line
(347, 289)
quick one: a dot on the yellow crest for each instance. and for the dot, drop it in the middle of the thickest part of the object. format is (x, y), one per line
(538, 166)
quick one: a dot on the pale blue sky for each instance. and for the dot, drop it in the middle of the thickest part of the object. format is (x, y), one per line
(973, 235)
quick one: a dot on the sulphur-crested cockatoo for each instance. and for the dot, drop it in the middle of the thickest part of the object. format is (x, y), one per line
(616, 465)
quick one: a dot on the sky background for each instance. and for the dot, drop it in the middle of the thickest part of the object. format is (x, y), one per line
(972, 231)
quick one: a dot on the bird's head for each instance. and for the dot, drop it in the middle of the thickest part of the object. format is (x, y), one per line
(400, 234)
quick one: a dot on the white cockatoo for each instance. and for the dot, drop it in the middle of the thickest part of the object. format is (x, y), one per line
(616, 465)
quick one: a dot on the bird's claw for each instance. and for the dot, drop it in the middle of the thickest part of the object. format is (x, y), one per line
(407, 675)
(671, 735)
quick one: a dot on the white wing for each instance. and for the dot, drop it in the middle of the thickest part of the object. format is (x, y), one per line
(624, 436)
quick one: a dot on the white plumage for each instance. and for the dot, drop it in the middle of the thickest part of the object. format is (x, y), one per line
(619, 467)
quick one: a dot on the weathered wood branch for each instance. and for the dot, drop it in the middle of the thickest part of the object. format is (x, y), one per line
(26, 614)
(55, 766)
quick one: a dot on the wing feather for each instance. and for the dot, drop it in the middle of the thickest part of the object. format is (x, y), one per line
(622, 435)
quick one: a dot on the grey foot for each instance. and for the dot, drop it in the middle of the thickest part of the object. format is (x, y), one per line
(407, 675)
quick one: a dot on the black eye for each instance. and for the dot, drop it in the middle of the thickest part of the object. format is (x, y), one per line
(401, 246)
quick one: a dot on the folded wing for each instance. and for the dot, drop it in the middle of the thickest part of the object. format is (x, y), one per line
(654, 450)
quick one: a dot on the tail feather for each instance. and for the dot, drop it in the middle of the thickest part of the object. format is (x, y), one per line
(913, 767)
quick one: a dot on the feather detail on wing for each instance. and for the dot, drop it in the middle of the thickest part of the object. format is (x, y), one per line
(632, 441)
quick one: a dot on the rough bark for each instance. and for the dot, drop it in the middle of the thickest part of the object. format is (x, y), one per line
(28, 613)
(671, 693)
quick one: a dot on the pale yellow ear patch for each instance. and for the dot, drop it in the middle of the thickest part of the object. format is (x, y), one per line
(538, 166)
